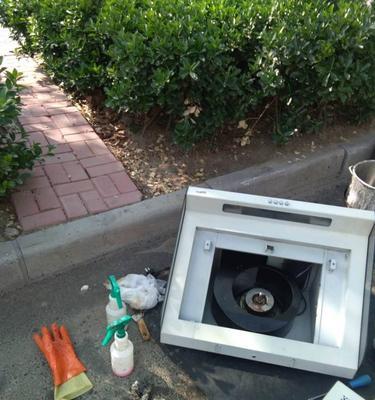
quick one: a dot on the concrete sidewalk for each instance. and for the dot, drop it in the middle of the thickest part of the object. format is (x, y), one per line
(82, 177)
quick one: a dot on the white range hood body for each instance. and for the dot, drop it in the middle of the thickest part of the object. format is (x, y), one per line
(340, 239)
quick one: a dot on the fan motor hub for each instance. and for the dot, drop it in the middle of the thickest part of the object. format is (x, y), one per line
(259, 300)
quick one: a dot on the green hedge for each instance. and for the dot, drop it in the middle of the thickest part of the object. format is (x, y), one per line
(16, 155)
(207, 63)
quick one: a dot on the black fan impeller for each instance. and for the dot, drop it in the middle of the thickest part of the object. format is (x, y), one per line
(259, 299)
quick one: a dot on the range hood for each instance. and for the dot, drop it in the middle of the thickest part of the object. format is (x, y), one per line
(271, 280)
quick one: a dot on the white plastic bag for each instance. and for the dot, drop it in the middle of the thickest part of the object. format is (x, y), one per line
(141, 292)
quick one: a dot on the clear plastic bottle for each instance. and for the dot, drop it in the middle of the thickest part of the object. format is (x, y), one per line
(113, 311)
(122, 356)
(122, 349)
(115, 308)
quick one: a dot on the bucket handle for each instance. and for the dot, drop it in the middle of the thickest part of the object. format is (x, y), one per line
(351, 169)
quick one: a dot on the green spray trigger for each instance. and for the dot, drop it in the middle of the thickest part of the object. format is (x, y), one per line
(116, 326)
(115, 290)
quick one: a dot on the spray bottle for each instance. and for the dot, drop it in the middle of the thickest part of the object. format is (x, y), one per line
(115, 308)
(122, 358)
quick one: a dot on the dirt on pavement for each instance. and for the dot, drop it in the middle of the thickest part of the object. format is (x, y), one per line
(159, 166)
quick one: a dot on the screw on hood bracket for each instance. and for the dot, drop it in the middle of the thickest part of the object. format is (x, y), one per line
(332, 265)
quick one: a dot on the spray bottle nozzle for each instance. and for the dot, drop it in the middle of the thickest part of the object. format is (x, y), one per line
(115, 290)
(118, 327)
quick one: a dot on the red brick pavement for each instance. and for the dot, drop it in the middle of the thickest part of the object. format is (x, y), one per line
(82, 177)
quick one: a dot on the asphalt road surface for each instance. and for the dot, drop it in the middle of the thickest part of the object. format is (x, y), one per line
(161, 371)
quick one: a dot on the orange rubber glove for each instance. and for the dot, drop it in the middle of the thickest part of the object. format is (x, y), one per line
(59, 352)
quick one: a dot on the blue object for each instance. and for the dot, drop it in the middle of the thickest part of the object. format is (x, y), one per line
(361, 381)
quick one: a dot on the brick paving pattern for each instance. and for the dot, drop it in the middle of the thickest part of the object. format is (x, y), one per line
(82, 177)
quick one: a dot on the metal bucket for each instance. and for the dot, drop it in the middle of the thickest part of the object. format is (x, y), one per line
(361, 192)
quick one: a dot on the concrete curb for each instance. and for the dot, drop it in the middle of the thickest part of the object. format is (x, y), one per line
(54, 250)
